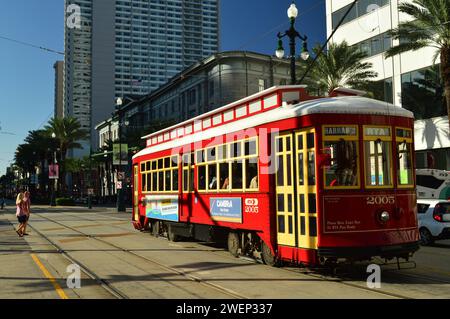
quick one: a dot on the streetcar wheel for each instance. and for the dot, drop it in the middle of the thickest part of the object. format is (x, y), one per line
(233, 244)
(171, 236)
(268, 257)
(425, 237)
(155, 228)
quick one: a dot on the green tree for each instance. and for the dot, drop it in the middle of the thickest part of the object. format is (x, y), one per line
(68, 134)
(341, 66)
(430, 27)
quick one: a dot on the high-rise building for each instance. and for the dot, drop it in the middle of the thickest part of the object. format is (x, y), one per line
(77, 70)
(59, 84)
(132, 47)
(410, 80)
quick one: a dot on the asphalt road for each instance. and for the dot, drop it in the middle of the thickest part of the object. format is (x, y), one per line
(117, 261)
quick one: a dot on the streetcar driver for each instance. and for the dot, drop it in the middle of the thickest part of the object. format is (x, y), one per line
(346, 168)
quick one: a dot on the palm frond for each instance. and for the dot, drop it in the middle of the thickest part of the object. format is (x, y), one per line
(405, 47)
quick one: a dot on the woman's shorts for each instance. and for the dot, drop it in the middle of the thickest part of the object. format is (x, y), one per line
(22, 219)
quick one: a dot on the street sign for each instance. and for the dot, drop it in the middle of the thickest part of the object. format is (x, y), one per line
(90, 191)
(118, 185)
(53, 171)
(121, 176)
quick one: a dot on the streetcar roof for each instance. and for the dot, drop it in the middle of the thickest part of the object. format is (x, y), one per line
(350, 105)
(329, 105)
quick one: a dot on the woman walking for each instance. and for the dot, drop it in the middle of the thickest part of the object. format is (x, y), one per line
(27, 209)
(20, 212)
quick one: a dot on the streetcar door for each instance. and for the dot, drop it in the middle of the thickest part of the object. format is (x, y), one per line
(306, 188)
(136, 192)
(284, 190)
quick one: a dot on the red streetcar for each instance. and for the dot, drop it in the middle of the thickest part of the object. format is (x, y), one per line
(286, 176)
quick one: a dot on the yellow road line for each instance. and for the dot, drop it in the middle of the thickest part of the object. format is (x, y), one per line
(47, 274)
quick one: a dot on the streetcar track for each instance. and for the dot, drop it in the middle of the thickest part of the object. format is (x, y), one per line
(341, 280)
(165, 267)
(330, 279)
(102, 282)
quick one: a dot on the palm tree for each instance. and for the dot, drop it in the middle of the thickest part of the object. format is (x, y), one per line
(430, 27)
(341, 66)
(68, 133)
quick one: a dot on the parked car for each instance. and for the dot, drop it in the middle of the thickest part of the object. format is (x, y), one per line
(433, 183)
(434, 220)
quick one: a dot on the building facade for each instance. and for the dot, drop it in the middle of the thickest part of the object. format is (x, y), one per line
(59, 89)
(131, 47)
(410, 80)
(211, 83)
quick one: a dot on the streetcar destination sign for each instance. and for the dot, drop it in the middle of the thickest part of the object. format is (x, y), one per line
(340, 130)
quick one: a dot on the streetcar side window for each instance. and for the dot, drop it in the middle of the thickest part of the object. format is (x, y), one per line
(201, 171)
(188, 172)
(160, 175)
(144, 182)
(340, 147)
(228, 167)
(212, 176)
(377, 156)
(144, 177)
(404, 148)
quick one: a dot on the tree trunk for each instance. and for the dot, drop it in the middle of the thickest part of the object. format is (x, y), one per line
(445, 73)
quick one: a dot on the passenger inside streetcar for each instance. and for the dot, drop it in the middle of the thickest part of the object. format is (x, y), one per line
(344, 164)
(224, 178)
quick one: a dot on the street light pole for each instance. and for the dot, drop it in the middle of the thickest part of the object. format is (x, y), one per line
(292, 34)
(89, 202)
(120, 196)
(53, 195)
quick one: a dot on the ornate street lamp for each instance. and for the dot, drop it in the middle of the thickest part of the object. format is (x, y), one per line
(120, 196)
(292, 13)
(55, 182)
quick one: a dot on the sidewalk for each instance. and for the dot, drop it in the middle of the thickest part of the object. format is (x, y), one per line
(20, 277)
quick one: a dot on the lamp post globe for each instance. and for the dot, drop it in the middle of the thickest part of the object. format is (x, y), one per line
(304, 55)
(292, 12)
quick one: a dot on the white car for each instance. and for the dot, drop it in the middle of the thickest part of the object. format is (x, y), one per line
(434, 220)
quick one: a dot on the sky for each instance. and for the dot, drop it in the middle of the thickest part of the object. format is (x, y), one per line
(27, 74)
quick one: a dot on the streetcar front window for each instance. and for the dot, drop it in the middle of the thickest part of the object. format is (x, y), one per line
(341, 154)
(378, 163)
(405, 168)
(404, 157)
(377, 156)
(342, 170)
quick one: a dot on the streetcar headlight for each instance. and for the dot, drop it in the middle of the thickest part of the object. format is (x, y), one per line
(384, 216)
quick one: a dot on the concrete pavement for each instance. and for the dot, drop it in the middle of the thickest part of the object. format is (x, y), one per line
(141, 266)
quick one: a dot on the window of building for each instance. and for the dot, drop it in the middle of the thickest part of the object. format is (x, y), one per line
(423, 93)
(261, 85)
(381, 90)
(375, 45)
(362, 8)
